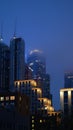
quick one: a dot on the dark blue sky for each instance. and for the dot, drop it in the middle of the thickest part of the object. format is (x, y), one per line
(46, 25)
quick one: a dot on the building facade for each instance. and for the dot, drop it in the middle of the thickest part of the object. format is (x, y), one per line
(36, 62)
(66, 100)
(68, 80)
(17, 60)
(14, 111)
(66, 95)
(4, 66)
(37, 101)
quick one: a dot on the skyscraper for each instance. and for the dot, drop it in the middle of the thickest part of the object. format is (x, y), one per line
(36, 62)
(4, 65)
(17, 51)
(66, 95)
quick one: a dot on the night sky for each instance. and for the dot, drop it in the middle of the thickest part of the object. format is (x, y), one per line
(45, 25)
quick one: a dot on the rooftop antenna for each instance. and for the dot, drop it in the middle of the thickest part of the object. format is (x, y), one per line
(14, 36)
(1, 33)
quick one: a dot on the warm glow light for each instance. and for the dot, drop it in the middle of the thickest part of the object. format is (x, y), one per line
(39, 90)
(12, 97)
(66, 89)
(69, 93)
(61, 93)
(33, 83)
(40, 121)
(18, 83)
(1, 98)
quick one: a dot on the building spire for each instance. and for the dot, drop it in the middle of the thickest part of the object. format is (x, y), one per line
(14, 36)
(1, 32)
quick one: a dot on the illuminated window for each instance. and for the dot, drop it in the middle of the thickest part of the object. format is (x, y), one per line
(32, 121)
(32, 125)
(32, 117)
(20, 98)
(12, 97)
(1, 98)
(7, 98)
(40, 121)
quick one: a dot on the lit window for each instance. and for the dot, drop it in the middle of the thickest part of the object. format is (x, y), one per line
(7, 98)
(32, 121)
(20, 98)
(18, 83)
(32, 125)
(1, 98)
(40, 121)
(12, 97)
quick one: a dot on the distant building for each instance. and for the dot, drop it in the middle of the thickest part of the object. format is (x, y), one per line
(4, 65)
(28, 72)
(66, 100)
(46, 86)
(68, 80)
(66, 95)
(17, 60)
(36, 61)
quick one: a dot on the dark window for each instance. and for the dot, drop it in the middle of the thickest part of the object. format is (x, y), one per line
(65, 97)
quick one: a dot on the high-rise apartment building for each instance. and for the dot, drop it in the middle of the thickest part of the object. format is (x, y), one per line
(17, 60)
(4, 65)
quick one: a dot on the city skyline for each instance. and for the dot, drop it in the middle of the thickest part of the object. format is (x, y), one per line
(46, 26)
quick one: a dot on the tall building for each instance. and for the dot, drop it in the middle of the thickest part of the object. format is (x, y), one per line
(4, 65)
(14, 111)
(66, 100)
(68, 80)
(36, 62)
(28, 72)
(37, 101)
(66, 95)
(17, 60)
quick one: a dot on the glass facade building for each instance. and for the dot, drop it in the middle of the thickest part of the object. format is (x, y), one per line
(17, 60)
(36, 62)
(4, 65)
